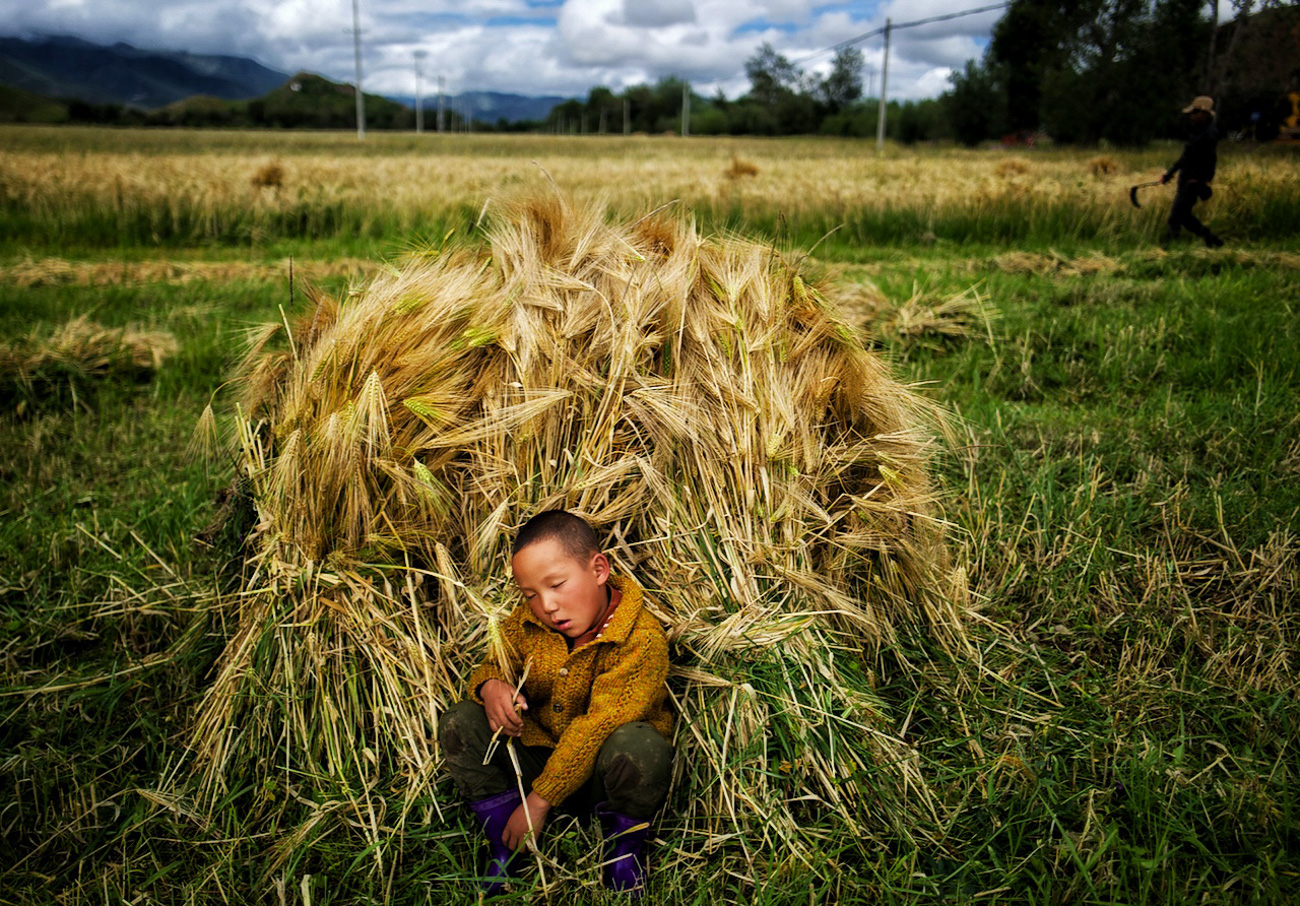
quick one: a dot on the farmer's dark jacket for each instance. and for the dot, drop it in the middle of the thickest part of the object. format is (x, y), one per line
(1199, 157)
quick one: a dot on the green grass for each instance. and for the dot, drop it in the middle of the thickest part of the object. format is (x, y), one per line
(1124, 478)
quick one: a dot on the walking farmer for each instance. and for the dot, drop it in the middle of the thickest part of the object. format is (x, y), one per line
(1195, 169)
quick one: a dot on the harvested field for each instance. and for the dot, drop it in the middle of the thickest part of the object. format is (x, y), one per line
(220, 675)
(425, 190)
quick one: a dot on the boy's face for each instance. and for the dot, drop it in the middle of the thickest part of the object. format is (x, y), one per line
(565, 592)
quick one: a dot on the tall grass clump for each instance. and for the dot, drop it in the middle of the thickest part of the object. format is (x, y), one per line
(717, 421)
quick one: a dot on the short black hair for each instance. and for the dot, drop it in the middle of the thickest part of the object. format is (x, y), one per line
(573, 532)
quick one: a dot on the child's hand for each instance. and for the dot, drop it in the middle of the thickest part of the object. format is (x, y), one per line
(534, 807)
(499, 701)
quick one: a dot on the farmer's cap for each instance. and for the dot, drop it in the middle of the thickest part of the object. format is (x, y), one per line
(1201, 103)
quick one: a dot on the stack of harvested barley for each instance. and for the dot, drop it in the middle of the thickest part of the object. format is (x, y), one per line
(722, 428)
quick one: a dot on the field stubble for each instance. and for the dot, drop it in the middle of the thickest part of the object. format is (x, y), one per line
(1122, 476)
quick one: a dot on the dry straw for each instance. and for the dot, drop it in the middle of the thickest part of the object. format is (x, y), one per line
(707, 410)
(1011, 167)
(739, 168)
(39, 368)
(920, 317)
(1102, 165)
(1055, 263)
(31, 272)
(269, 176)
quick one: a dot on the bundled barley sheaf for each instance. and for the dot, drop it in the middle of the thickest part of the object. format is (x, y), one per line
(704, 407)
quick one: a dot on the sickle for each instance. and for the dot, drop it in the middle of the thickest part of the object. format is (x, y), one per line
(1133, 192)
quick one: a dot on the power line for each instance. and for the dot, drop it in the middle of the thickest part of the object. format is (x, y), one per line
(877, 32)
(884, 68)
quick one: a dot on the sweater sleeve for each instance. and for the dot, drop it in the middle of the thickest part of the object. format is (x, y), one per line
(512, 635)
(628, 691)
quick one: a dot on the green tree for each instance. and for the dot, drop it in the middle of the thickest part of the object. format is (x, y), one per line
(772, 77)
(668, 103)
(1085, 70)
(920, 121)
(657, 107)
(1032, 40)
(602, 105)
(780, 89)
(975, 106)
(1127, 73)
(844, 84)
(566, 117)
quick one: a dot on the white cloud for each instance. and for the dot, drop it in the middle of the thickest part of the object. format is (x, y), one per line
(914, 10)
(785, 11)
(528, 46)
(595, 33)
(658, 13)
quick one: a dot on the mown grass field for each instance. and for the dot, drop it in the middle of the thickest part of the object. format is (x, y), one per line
(1122, 475)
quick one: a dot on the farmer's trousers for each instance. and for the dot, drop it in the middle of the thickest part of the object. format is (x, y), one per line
(1180, 215)
(632, 771)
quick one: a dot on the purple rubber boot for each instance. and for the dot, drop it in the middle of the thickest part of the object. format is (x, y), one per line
(493, 813)
(625, 869)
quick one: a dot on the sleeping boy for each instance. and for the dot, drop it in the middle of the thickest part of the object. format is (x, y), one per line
(591, 722)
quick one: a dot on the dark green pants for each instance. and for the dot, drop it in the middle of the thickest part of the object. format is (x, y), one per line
(1180, 215)
(632, 771)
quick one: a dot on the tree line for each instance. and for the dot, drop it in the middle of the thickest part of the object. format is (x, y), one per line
(1078, 71)
(1086, 71)
(782, 100)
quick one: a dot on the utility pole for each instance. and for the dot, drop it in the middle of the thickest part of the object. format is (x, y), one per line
(441, 83)
(356, 46)
(419, 100)
(686, 110)
(884, 81)
(627, 116)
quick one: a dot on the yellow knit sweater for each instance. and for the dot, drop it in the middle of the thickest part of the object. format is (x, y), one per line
(576, 699)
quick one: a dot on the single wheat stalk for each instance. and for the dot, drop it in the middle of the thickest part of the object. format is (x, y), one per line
(498, 650)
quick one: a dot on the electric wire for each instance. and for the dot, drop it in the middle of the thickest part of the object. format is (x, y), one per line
(876, 32)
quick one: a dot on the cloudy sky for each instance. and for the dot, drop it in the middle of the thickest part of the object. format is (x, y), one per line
(531, 47)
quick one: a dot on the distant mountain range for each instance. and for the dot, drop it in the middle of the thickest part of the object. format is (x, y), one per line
(65, 67)
(69, 68)
(487, 106)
